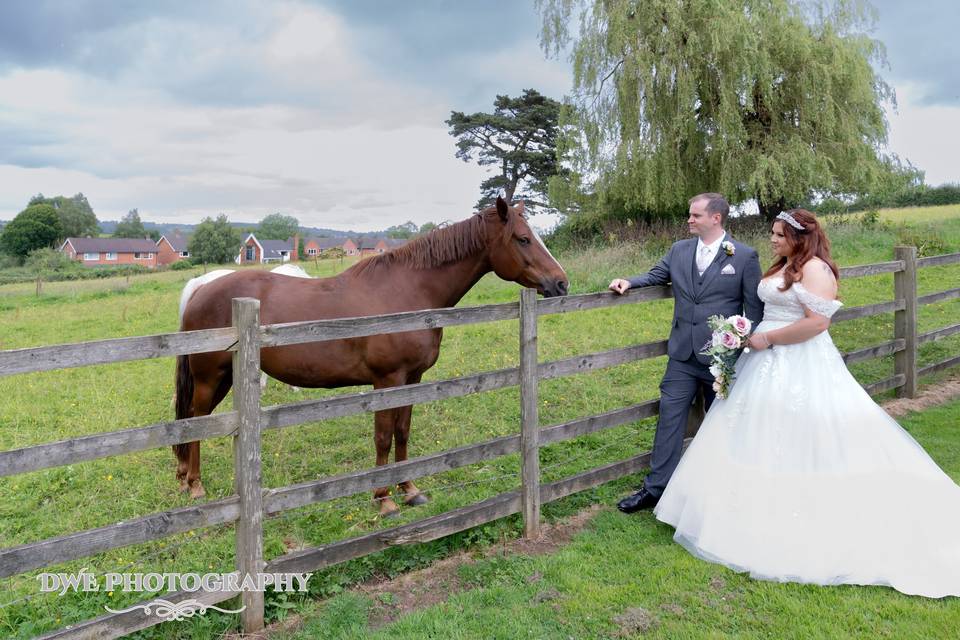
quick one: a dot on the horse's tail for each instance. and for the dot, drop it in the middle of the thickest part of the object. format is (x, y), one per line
(184, 383)
(184, 396)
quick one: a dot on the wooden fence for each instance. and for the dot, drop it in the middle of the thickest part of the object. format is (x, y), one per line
(252, 502)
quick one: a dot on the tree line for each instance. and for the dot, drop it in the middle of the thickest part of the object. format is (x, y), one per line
(45, 223)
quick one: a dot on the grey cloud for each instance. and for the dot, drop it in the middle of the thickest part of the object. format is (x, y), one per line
(37, 33)
(922, 47)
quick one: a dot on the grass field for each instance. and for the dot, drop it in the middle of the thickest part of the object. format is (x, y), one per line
(50, 406)
(625, 577)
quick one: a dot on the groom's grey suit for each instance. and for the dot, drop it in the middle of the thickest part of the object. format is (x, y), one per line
(728, 286)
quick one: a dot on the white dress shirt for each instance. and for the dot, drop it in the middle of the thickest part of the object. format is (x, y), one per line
(711, 253)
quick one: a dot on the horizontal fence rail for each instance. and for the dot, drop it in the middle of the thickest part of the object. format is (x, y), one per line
(104, 445)
(940, 296)
(872, 269)
(257, 502)
(66, 356)
(938, 261)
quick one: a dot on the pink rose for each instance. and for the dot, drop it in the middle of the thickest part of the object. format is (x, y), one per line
(716, 387)
(740, 324)
(730, 340)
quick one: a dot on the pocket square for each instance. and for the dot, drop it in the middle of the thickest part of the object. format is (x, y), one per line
(728, 270)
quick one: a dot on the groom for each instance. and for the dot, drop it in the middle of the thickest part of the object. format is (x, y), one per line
(711, 274)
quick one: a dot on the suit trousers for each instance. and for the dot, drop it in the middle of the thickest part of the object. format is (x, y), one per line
(678, 389)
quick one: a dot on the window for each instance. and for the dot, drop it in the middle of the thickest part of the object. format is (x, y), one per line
(251, 253)
(140, 255)
(111, 255)
(91, 256)
(312, 252)
(184, 254)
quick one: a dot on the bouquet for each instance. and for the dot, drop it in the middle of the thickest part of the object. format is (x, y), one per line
(728, 340)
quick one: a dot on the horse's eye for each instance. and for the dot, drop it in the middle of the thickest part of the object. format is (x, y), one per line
(523, 241)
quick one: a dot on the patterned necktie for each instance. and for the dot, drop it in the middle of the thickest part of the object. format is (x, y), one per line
(702, 262)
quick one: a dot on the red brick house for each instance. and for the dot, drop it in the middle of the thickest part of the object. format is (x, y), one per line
(367, 246)
(264, 251)
(375, 246)
(386, 244)
(315, 246)
(107, 251)
(171, 248)
(350, 248)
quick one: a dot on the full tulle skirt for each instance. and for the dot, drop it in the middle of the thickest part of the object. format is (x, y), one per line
(799, 476)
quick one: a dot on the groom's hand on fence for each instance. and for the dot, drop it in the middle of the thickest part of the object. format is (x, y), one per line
(619, 286)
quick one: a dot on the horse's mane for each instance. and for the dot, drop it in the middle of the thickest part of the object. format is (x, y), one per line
(441, 246)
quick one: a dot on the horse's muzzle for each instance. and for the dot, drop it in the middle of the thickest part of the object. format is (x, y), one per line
(553, 288)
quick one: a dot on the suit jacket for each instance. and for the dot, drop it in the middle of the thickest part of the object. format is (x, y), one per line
(696, 297)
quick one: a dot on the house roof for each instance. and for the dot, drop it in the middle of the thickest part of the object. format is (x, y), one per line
(366, 242)
(115, 245)
(273, 248)
(177, 242)
(326, 243)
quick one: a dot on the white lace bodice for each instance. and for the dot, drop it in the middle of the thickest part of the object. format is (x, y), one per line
(787, 306)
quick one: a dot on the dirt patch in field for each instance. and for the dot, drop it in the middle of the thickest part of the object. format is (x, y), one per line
(393, 598)
(634, 621)
(930, 396)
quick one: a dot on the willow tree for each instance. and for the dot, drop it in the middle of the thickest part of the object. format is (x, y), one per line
(768, 99)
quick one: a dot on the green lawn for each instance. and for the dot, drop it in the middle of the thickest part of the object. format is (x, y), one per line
(624, 575)
(49, 406)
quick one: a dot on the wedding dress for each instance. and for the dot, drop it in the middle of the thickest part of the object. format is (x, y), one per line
(798, 476)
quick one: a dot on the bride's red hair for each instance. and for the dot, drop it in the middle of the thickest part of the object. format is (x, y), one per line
(805, 244)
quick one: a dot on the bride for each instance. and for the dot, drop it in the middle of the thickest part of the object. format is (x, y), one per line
(798, 475)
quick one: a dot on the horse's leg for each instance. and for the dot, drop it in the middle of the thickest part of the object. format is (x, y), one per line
(208, 392)
(384, 423)
(182, 451)
(401, 433)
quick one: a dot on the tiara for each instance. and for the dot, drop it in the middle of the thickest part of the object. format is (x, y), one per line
(783, 215)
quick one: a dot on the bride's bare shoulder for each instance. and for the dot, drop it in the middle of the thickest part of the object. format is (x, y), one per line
(818, 278)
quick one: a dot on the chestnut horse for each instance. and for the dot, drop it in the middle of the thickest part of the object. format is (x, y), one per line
(433, 271)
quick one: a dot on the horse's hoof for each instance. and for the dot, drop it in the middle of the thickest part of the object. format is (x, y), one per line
(386, 515)
(197, 492)
(416, 500)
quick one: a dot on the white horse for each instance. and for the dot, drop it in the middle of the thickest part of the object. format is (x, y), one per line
(292, 270)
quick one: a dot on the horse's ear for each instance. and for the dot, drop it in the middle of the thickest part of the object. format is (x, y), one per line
(502, 209)
(520, 207)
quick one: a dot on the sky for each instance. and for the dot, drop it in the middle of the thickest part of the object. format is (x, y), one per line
(331, 111)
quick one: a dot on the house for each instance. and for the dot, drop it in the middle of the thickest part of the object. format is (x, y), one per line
(391, 243)
(375, 246)
(263, 251)
(350, 248)
(107, 251)
(171, 248)
(367, 246)
(315, 246)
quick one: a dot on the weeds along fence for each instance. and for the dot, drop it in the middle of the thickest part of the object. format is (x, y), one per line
(252, 502)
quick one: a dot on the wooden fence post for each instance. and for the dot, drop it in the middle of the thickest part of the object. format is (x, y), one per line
(905, 322)
(246, 456)
(529, 419)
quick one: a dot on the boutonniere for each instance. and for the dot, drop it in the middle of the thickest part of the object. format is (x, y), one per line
(728, 247)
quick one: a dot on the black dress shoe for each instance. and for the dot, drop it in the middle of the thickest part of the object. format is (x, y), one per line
(642, 499)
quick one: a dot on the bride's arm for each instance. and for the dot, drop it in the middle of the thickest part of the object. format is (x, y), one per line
(817, 292)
